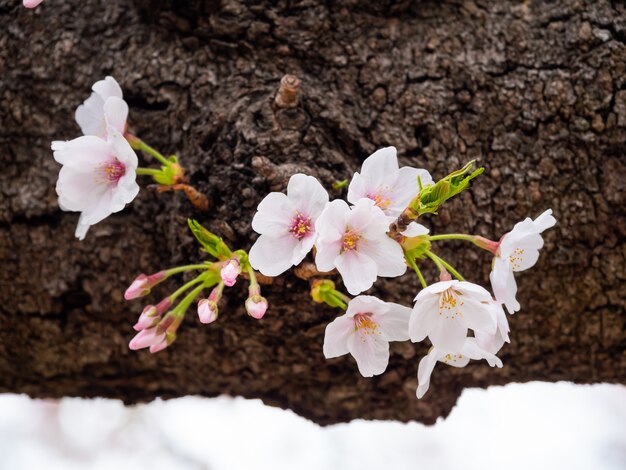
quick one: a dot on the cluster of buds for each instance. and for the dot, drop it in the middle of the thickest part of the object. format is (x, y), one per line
(377, 235)
(158, 324)
(98, 177)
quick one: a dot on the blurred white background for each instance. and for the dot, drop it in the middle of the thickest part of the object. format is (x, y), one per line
(520, 426)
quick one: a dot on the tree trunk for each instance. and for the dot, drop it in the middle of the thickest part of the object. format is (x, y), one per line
(535, 91)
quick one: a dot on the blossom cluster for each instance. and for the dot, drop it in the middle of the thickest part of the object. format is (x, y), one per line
(376, 235)
(98, 177)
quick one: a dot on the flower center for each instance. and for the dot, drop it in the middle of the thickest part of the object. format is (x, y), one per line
(111, 171)
(515, 258)
(364, 323)
(300, 226)
(351, 240)
(450, 358)
(380, 198)
(450, 305)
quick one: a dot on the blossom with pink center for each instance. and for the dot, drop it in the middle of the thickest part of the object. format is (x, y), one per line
(229, 272)
(256, 306)
(286, 224)
(384, 182)
(97, 177)
(207, 311)
(105, 107)
(444, 312)
(518, 251)
(354, 240)
(32, 3)
(365, 331)
(469, 350)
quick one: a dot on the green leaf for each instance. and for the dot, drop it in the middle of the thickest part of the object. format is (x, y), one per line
(213, 244)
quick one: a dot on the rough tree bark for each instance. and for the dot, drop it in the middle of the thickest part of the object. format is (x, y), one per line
(534, 90)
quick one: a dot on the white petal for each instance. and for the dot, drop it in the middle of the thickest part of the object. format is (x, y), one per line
(477, 315)
(415, 230)
(424, 371)
(473, 290)
(395, 322)
(371, 352)
(473, 351)
(388, 256)
(336, 337)
(73, 189)
(423, 316)
(81, 229)
(447, 334)
(503, 284)
(98, 207)
(405, 188)
(83, 154)
(331, 224)
(379, 166)
(124, 193)
(368, 219)
(545, 221)
(436, 288)
(272, 256)
(274, 214)
(366, 304)
(115, 113)
(357, 189)
(107, 88)
(122, 149)
(90, 116)
(357, 270)
(303, 248)
(326, 255)
(307, 194)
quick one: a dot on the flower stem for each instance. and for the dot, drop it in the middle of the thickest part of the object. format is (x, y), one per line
(189, 267)
(141, 145)
(443, 265)
(411, 262)
(185, 287)
(148, 171)
(452, 236)
(184, 304)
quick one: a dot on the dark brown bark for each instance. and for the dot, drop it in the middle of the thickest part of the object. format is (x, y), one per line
(534, 90)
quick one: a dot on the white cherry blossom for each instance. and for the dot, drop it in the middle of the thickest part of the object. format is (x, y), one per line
(354, 240)
(518, 251)
(365, 331)
(444, 311)
(385, 183)
(469, 350)
(97, 177)
(105, 107)
(287, 225)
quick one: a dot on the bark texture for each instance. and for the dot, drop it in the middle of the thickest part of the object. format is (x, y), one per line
(536, 91)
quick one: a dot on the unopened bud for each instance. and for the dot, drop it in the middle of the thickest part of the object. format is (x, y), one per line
(256, 306)
(230, 271)
(146, 338)
(142, 285)
(207, 311)
(148, 318)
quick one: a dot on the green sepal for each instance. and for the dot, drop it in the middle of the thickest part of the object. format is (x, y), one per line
(211, 243)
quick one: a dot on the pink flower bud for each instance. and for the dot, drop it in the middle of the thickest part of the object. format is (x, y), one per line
(148, 318)
(487, 244)
(146, 338)
(256, 306)
(229, 272)
(444, 276)
(32, 3)
(207, 311)
(142, 284)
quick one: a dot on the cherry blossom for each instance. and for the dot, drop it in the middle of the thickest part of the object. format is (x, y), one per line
(518, 250)
(365, 331)
(354, 240)
(384, 182)
(286, 224)
(32, 3)
(256, 306)
(142, 285)
(151, 314)
(444, 311)
(469, 350)
(149, 338)
(97, 177)
(207, 311)
(105, 107)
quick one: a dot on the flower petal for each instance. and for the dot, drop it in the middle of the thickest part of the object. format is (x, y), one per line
(115, 112)
(336, 337)
(357, 270)
(274, 214)
(366, 304)
(82, 154)
(477, 315)
(388, 256)
(273, 255)
(415, 230)
(370, 351)
(424, 371)
(395, 322)
(379, 166)
(307, 195)
(423, 316)
(503, 284)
